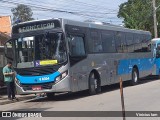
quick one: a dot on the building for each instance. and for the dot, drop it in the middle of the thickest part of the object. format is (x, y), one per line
(5, 29)
(3, 38)
(5, 25)
(5, 33)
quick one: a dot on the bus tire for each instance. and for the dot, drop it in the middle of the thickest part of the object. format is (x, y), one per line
(94, 84)
(50, 95)
(135, 77)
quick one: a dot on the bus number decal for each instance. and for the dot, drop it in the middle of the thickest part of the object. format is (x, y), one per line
(44, 78)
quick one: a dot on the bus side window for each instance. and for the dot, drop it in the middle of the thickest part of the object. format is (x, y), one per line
(108, 42)
(76, 46)
(120, 42)
(129, 42)
(158, 51)
(95, 42)
(137, 43)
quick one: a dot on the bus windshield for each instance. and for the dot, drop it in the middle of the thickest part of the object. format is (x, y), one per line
(48, 46)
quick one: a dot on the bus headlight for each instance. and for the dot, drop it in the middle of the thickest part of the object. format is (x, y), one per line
(58, 79)
(62, 76)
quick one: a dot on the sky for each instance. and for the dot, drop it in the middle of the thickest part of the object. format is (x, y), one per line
(80, 10)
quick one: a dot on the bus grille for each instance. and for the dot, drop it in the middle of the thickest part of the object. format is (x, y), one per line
(43, 86)
(37, 71)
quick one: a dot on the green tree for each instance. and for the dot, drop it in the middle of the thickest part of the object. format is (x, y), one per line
(22, 13)
(138, 14)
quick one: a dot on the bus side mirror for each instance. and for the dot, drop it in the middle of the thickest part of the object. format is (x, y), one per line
(8, 50)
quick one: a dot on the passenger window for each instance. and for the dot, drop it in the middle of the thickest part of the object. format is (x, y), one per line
(120, 42)
(158, 51)
(136, 38)
(76, 46)
(95, 43)
(108, 42)
(129, 42)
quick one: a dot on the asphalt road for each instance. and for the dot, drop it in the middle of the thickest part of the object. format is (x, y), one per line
(142, 97)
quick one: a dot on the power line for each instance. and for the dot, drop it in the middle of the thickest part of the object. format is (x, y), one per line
(92, 5)
(43, 8)
(46, 6)
(84, 5)
(93, 12)
(89, 14)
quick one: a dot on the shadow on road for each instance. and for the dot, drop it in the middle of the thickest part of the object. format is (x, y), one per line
(82, 94)
(4, 101)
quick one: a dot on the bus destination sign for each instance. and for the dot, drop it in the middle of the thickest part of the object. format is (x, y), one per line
(36, 25)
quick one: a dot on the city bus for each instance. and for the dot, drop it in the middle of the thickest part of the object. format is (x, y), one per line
(61, 55)
(156, 51)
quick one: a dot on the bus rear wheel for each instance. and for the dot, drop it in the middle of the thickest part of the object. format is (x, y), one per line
(94, 84)
(135, 77)
(50, 95)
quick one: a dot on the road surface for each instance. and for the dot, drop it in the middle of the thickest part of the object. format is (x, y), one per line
(142, 97)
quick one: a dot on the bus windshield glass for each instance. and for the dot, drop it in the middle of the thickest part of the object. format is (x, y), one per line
(48, 46)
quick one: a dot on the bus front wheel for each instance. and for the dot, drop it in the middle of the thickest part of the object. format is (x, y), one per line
(94, 84)
(50, 95)
(135, 77)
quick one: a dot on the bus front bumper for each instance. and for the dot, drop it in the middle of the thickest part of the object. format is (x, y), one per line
(61, 86)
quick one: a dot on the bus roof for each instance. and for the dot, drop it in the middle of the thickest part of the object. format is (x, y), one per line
(91, 25)
(155, 39)
(106, 27)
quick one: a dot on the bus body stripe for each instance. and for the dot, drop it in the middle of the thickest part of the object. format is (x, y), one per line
(37, 79)
(126, 66)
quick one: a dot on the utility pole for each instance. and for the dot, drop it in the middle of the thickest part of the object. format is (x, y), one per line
(155, 18)
(122, 99)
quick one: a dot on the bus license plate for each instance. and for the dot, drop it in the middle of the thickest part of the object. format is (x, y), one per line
(36, 88)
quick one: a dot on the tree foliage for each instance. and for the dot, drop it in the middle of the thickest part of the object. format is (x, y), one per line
(22, 13)
(138, 14)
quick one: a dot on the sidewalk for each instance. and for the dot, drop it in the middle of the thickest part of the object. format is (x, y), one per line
(3, 90)
(4, 98)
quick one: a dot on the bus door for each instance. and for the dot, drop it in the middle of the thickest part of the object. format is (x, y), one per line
(77, 55)
(156, 51)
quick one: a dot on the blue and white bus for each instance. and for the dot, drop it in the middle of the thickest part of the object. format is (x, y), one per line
(61, 55)
(156, 51)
